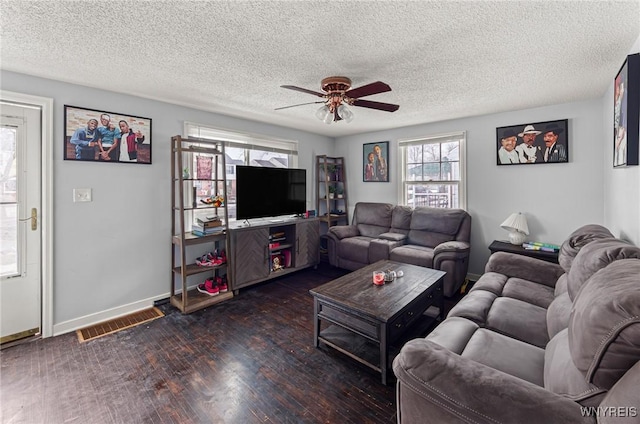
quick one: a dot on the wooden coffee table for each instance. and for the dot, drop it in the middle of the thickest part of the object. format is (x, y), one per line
(363, 320)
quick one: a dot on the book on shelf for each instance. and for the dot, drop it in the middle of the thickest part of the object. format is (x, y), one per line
(202, 234)
(543, 247)
(208, 224)
(537, 243)
(207, 230)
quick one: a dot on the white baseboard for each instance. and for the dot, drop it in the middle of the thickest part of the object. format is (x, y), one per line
(102, 316)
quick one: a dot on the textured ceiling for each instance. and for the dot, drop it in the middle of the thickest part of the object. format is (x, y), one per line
(443, 60)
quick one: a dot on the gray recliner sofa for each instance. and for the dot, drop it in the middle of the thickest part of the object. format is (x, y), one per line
(488, 362)
(435, 238)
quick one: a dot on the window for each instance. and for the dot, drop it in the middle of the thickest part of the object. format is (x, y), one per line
(433, 171)
(244, 149)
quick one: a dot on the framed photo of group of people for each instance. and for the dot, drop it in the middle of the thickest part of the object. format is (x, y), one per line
(100, 136)
(533, 143)
(626, 113)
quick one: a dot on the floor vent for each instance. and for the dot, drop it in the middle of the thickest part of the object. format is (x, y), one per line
(121, 323)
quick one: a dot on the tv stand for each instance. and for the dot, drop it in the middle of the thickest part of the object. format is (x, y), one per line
(271, 249)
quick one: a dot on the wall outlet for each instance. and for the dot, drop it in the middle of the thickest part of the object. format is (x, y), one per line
(81, 195)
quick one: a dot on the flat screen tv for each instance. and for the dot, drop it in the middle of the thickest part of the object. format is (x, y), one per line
(265, 192)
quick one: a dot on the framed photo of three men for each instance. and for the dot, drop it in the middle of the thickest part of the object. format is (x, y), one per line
(100, 136)
(533, 143)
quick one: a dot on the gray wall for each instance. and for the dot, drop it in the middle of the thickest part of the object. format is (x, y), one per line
(116, 250)
(556, 198)
(622, 185)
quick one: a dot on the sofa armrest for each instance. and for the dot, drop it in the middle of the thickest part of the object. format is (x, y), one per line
(452, 247)
(437, 383)
(527, 268)
(344, 231)
(395, 237)
(379, 249)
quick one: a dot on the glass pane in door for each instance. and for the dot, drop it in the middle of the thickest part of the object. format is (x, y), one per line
(9, 252)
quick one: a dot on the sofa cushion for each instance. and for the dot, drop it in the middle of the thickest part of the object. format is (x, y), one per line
(401, 219)
(558, 314)
(595, 256)
(561, 375)
(527, 291)
(373, 219)
(495, 350)
(561, 285)
(506, 354)
(604, 327)
(520, 320)
(474, 306)
(577, 240)
(413, 254)
(355, 249)
(432, 226)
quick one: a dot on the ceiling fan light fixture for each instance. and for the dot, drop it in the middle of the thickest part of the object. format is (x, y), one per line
(345, 113)
(325, 114)
(338, 96)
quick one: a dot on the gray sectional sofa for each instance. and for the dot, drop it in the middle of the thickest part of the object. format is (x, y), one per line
(430, 237)
(535, 342)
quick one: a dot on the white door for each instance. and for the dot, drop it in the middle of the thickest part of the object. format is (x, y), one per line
(20, 227)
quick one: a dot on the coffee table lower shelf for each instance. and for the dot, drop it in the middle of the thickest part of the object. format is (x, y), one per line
(367, 351)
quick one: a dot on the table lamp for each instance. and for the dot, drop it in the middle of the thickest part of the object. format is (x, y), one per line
(516, 224)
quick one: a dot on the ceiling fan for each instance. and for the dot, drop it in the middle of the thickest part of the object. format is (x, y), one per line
(338, 94)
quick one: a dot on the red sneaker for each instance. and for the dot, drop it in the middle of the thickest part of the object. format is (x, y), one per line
(221, 282)
(209, 288)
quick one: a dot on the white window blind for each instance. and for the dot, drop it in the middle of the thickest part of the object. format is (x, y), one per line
(433, 171)
(243, 140)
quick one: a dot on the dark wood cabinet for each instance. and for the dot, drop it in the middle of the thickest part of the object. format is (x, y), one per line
(249, 249)
(308, 247)
(268, 249)
(503, 246)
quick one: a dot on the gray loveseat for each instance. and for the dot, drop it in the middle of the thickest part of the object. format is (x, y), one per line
(435, 238)
(535, 342)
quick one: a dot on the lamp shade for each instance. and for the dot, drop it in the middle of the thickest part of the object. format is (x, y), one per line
(324, 114)
(517, 226)
(345, 113)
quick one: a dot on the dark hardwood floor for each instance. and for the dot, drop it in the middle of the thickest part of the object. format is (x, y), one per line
(248, 360)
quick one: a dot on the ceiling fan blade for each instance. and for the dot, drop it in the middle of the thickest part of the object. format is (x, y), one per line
(368, 90)
(301, 104)
(304, 90)
(376, 105)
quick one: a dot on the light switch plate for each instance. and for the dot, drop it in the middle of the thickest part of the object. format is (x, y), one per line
(81, 195)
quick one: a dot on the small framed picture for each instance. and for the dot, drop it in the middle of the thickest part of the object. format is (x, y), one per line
(110, 137)
(375, 162)
(626, 113)
(533, 143)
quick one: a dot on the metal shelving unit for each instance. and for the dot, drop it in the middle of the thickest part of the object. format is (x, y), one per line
(184, 198)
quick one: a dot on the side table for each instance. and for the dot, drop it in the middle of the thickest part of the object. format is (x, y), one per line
(504, 246)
